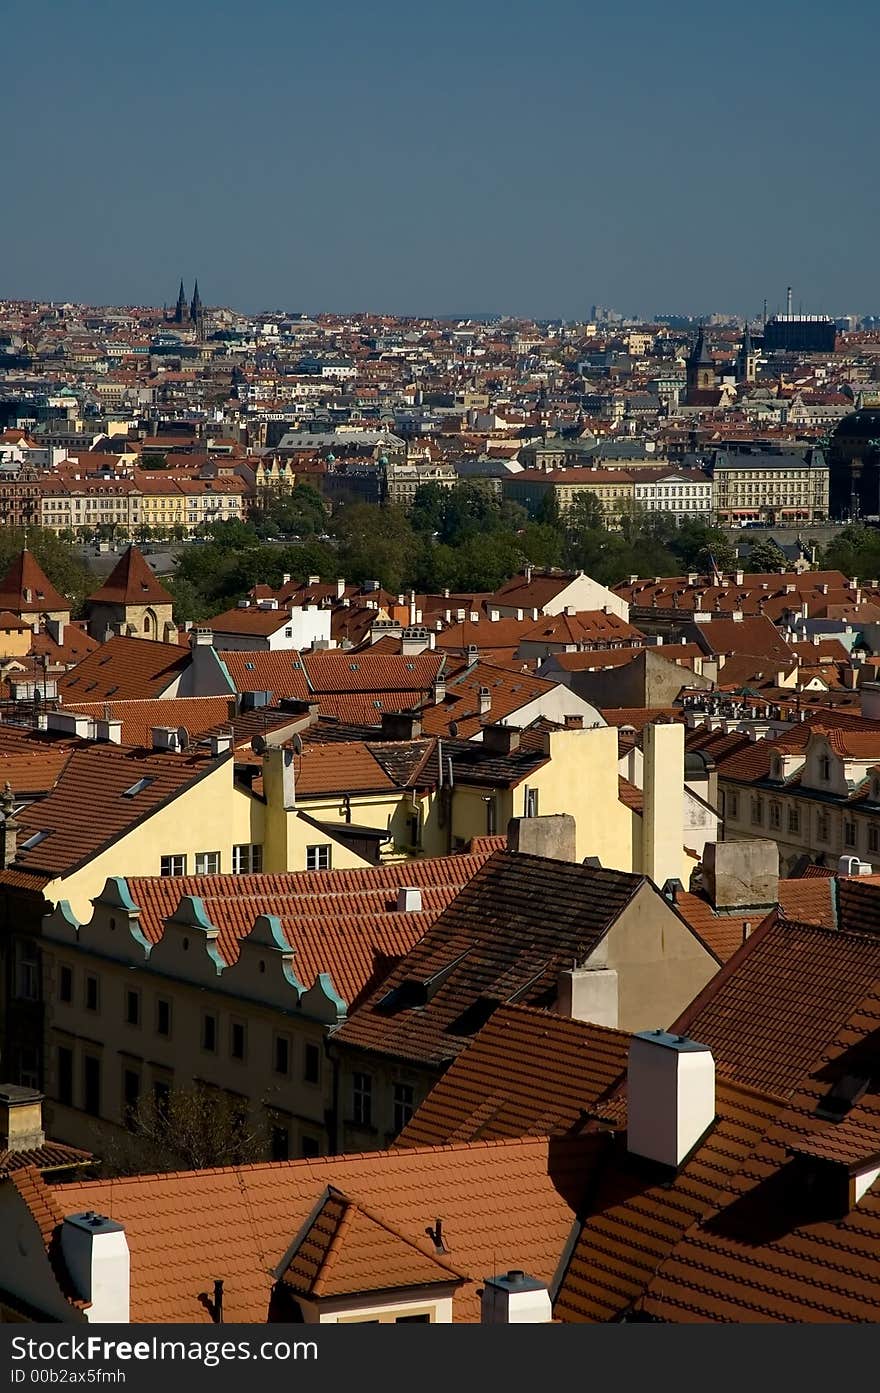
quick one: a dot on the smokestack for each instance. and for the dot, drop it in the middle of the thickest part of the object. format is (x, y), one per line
(788, 301)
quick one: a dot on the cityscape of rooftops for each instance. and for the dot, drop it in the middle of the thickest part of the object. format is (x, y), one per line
(439, 752)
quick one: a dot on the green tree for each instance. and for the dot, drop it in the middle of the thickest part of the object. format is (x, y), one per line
(765, 557)
(376, 543)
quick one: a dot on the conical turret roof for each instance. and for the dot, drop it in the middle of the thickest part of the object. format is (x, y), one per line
(131, 582)
(26, 589)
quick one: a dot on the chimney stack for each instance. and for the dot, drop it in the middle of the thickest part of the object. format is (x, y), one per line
(663, 801)
(515, 1298)
(670, 1096)
(21, 1118)
(485, 701)
(8, 827)
(95, 1252)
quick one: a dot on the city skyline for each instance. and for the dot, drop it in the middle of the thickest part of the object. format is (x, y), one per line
(504, 163)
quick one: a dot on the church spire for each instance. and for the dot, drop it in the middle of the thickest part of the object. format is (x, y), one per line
(182, 311)
(195, 308)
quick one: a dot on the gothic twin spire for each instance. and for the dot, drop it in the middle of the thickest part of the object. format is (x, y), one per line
(185, 312)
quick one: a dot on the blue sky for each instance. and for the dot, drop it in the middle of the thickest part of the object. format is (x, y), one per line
(474, 157)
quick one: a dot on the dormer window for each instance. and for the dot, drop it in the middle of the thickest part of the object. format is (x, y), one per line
(825, 769)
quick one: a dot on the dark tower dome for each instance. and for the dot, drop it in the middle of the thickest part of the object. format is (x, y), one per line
(860, 425)
(854, 460)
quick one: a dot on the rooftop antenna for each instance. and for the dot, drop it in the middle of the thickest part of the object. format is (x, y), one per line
(788, 301)
(765, 311)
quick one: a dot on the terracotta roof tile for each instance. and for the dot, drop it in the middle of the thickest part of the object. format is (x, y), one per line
(131, 582)
(344, 923)
(504, 1204)
(99, 778)
(762, 1014)
(773, 1249)
(26, 589)
(526, 1073)
(126, 668)
(347, 1249)
(493, 943)
(636, 1216)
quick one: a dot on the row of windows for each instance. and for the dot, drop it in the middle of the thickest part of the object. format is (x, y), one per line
(210, 1031)
(88, 1096)
(402, 1102)
(793, 822)
(246, 858)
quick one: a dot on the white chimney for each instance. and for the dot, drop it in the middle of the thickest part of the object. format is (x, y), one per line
(220, 745)
(484, 697)
(164, 738)
(409, 899)
(515, 1298)
(340, 587)
(95, 1252)
(109, 729)
(69, 723)
(670, 1096)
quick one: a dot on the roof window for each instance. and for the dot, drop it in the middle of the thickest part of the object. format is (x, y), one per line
(35, 840)
(137, 788)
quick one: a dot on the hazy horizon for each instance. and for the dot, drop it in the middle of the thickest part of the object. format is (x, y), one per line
(529, 160)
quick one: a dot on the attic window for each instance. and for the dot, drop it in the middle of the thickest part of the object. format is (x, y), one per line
(35, 840)
(249, 667)
(354, 667)
(137, 788)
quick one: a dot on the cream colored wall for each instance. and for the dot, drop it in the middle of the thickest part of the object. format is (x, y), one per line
(178, 1060)
(15, 643)
(581, 778)
(211, 815)
(660, 964)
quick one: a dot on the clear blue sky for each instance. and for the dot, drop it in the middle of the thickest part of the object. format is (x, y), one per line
(527, 158)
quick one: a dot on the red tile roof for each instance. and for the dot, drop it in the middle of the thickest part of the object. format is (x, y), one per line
(526, 1073)
(344, 923)
(99, 779)
(347, 1249)
(504, 1204)
(772, 1248)
(127, 668)
(26, 578)
(493, 943)
(783, 993)
(131, 582)
(196, 714)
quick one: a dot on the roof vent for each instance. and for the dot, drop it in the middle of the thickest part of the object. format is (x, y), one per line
(409, 899)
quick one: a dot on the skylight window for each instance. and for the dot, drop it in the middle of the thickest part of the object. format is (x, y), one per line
(35, 840)
(137, 788)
